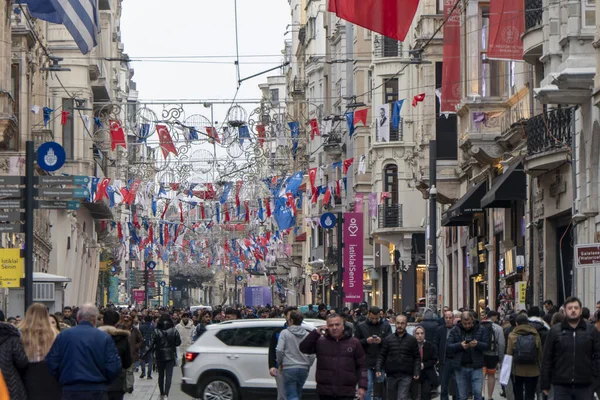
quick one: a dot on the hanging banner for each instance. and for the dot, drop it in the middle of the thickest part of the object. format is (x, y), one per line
(451, 63)
(358, 202)
(139, 296)
(507, 24)
(353, 257)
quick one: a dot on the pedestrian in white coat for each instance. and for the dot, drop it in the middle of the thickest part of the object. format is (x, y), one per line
(186, 330)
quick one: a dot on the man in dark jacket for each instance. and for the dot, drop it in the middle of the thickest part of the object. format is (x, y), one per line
(205, 320)
(311, 313)
(68, 316)
(121, 339)
(341, 361)
(430, 324)
(467, 342)
(146, 330)
(571, 360)
(400, 358)
(83, 359)
(440, 342)
(371, 334)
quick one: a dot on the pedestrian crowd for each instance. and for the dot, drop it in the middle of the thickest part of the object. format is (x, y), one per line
(86, 353)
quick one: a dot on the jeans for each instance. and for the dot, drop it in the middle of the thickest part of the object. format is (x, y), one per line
(165, 368)
(116, 395)
(446, 376)
(398, 387)
(372, 379)
(68, 395)
(144, 361)
(280, 386)
(466, 377)
(572, 392)
(422, 388)
(529, 383)
(293, 382)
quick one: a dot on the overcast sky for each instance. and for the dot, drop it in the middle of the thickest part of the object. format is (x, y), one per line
(159, 28)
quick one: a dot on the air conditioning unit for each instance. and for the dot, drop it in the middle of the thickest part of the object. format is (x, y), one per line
(43, 291)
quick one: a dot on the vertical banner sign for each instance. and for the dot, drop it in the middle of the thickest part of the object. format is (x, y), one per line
(353, 257)
(11, 268)
(507, 24)
(138, 296)
(451, 65)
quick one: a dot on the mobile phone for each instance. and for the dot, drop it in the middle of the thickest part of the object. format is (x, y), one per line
(468, 340)
(374, 336)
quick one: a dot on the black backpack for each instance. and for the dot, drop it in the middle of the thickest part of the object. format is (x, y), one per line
(525, 351)
(493, 349)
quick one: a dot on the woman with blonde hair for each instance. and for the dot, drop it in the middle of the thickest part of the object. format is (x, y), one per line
(38, 336)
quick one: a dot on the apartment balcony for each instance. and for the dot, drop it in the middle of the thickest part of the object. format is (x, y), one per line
(19, 25)
(40, 136)
(387, 53)
(99, 82)
(533, 37)
(390, 216)
(298, 86)
(482, 127)
(549, 138)
(333, 146)
(396, 135)
(426, 26)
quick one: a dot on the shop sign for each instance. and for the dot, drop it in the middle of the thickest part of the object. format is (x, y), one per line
(520, 294)
(11, 268)
(353, 257)
(587, 255)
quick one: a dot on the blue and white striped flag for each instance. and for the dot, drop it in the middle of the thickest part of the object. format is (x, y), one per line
(80, 17)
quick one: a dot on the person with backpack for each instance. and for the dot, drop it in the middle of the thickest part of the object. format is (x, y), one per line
(491, 356)
(525, 346)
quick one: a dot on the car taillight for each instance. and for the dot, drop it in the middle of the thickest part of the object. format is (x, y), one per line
(191, 356)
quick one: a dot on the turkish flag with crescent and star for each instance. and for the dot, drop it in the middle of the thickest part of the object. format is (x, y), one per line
(101, 193)
(312, 176)
(117, 135)
(166, 142)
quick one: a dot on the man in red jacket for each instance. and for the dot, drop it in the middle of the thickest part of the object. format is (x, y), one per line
(341, 361)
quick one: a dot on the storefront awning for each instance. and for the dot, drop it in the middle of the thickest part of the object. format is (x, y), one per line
(461, 213)
(508, 187)
(301, 237)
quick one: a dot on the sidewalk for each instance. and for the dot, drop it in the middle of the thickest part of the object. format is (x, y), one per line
(145, 389)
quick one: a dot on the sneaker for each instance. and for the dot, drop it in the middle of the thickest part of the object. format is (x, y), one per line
(149, 376)
(142, 376)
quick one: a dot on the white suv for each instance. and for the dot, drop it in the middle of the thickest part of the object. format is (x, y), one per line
(230, 361)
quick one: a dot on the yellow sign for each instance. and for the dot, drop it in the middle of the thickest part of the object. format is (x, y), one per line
(11, 268)
(103, 266)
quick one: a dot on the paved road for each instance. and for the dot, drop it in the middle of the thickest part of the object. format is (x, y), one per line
(145, 389)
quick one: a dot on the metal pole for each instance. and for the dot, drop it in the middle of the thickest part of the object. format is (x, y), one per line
(340, 260)
(29, 190)
(433, 268)
(574, 206)
(146, 297)
(236, 292)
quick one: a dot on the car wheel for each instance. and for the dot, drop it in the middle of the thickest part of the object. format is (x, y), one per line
(218, 388)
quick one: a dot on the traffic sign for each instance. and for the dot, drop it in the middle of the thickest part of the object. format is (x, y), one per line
(11, 191)
(587, 255)
(57, 205)
(314, 277)
(63, 180)
(12, 180)
(239, 278)
(12, 228)
(163, 283)
(11, 216)
(75, 193)
(51, 156)
(151, 264)
(328, 220)
(12, 204)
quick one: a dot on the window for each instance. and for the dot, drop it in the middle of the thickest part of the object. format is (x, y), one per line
(15, 87)
(387, 47)
(391, 184)
(312, 28)
(274, 95)
(248, 337)
(68, 132)
(588, 13)
(445, 128)
(494, 74)
(370, 85)
(390, 95)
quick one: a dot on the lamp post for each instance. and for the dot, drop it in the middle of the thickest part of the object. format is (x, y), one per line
(432, 292)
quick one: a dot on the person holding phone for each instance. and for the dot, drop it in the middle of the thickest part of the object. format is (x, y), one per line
(371, 333)
(467, 342)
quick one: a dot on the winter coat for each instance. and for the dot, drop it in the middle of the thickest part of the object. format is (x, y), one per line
(84, 358)
(440, 344)
(458, 335)
(121, 339)
(399, 355)
(430, 324)
(40, 384)
(341, 364)
(136, 341)
(500, 340)
(165, 340)
(198, 331)
(185, 333)
(288, 349)
(429, 361)
(367, 329)
(528, 370)
(272, 357)
(571, 355)
(13, 360)
(541, 327)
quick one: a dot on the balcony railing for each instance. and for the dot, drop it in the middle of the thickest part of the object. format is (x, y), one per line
(550, 131)
(298, 86)
(390, 216)
(397, 135)
(385, 47)
(533, 13)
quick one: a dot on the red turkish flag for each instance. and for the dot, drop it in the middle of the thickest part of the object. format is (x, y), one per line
(312, 176)
(347, 164)
(166, 142)
(268, 207)
(212, 133)
(417, 99)
(260, 129)
(391, 18)
(64, 117)
(327, 196)
(361, 115)
(101, 193)
(117, 135)
(507, 24)
(314, 128)
(247, 211)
